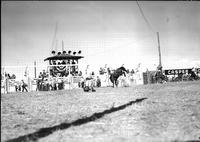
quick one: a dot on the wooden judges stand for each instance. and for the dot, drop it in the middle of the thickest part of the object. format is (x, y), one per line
(64, 67)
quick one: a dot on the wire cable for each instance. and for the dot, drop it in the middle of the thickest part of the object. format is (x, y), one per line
(145, 19)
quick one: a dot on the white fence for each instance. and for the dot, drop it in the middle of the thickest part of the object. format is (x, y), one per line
(30, 74)
(8, 85)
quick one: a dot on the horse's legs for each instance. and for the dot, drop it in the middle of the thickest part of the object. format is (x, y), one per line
(112, 80)
(113, 84)
(116, 83)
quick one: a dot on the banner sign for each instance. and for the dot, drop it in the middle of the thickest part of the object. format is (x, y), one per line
(177, 71)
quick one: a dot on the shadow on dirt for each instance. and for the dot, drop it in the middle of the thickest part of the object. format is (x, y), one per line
(43, 132)
(186, 141)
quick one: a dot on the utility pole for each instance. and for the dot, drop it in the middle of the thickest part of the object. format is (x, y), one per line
(160, 63)
(54, 37)
(62, 45)
(35, 69)
(56, 46)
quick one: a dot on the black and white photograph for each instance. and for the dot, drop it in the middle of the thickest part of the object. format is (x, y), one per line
(100, 71)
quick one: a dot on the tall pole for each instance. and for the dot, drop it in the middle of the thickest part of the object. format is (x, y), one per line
(56, 46)
(35, 69)
(54, 37)
(62, 45)
(160, 63)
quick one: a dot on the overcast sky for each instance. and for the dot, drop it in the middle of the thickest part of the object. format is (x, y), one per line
(107, 32)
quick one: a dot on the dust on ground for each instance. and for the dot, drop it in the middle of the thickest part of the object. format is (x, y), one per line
(170, 113)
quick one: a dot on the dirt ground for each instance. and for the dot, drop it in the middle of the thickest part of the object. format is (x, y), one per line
(170, 112)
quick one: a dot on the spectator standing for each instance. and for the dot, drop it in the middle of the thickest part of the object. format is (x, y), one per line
(44, 75)
(89, 83)
(39, 82)
(80, 73)
(98, 82)
(193, 76)
(16, 86)
(24, 85)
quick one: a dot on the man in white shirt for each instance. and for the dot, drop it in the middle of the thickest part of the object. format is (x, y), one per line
(89, 83)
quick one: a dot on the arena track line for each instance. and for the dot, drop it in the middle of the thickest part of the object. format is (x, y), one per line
(43, 132)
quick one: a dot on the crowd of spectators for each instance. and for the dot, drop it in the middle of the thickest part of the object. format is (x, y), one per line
(21, 86)
(8, 76)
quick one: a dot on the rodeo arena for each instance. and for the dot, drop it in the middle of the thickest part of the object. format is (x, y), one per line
(43, 101)
(61, 98)
(105, 88)
(63, 73)
(36, 107)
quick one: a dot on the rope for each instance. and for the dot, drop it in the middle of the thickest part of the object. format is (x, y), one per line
(145, 19)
